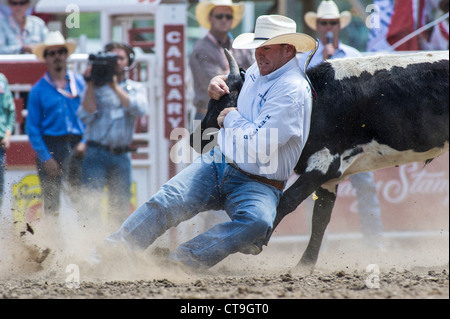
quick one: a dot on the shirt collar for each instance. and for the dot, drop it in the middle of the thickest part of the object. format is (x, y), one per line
(15, 26)
(322, 47)
(67, 74)
(227, 43)
(279, 72)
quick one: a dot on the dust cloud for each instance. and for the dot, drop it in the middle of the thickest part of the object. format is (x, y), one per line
(39, 262)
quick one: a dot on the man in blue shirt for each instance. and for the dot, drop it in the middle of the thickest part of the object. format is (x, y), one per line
(52, 124)
(328, 23)
(273, 113)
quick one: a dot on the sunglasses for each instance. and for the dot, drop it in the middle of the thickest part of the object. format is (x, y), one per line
(220, 16)
(54, 52)
(324, 23)
(18, 3)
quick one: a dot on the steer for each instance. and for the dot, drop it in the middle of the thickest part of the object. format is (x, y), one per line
(370, 113)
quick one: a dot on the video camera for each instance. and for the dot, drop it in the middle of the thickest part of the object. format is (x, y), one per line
(103, 65)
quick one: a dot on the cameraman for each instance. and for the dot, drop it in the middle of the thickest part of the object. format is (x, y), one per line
(110, 111)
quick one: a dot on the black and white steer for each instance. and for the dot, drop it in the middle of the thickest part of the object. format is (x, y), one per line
(370, 113)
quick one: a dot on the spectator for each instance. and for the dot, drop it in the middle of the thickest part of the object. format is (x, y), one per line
(435, 38)
(7, 122)
(328, 23)
(207, 58)
(380, 26)
(19, 32)
(401, 18)
(52, 125)
(110, 112)
(274, 97)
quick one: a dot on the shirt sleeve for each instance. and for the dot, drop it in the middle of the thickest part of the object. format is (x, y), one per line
(33, 128)
(5, 47)
(8, 106)
(138, 100)
(278, 120)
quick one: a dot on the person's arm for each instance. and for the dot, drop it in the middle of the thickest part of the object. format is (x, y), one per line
(9, 109)
(5, 47)
(33, 130)
(280, 113)
(218, 87)
(33, 127)
(121, 93)
(134, 98)
(279, 119)
(89, 103)
(5, 143)
(138, 100)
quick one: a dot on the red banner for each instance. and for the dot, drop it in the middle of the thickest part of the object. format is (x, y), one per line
(174, 85)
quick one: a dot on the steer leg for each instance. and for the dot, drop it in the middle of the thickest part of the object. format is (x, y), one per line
(298, 192)
(320, 219)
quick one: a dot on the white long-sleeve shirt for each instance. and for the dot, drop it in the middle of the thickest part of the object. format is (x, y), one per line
(267, 133)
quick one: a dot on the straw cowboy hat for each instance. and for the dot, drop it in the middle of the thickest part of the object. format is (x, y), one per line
(327, 10)
(275, 29)
(203, 10)
(32, 2)
(54, 39)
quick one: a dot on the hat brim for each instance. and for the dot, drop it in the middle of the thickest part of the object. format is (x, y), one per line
(40, 48)
(203, 10)
(302, 42)
(311, 19)
(32, 2)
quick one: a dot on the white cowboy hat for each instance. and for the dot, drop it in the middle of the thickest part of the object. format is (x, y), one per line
(203, 10)
(54, 39)
(275, 29)
(32, 2)
(327, 10)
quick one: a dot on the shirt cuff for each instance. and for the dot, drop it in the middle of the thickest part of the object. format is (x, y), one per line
(230, 118)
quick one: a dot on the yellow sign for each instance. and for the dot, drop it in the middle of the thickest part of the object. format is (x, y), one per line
(27, 201)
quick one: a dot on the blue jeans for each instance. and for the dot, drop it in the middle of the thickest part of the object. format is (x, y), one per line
(61, 149)
(207, 184)
(102, 168)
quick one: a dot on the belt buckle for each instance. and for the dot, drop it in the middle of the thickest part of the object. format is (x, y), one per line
(118, 150)
(114, 150)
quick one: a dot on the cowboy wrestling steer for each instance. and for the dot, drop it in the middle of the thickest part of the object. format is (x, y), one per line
(370, 113)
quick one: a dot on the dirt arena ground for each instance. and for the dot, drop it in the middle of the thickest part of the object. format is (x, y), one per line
(407, 268)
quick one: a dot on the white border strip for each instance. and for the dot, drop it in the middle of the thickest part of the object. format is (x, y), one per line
(292, 239)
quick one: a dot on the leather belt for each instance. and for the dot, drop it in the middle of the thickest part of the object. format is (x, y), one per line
(112, 150)
(272, 182)
(70, 138)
